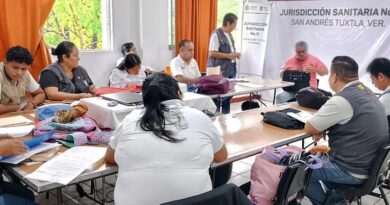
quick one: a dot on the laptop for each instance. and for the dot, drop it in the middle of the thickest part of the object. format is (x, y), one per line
(124, 98)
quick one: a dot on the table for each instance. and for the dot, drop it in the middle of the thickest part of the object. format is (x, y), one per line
(245, 135)
(111, 117)
(255, 84)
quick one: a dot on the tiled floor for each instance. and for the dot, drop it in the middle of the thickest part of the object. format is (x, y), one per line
(240, 175)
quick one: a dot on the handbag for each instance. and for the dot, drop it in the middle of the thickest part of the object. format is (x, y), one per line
(212, 84)
(299, 78)
(280, 119)
(249, 104)
(312, 98)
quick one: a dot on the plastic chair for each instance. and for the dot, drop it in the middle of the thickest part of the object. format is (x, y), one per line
(377, 177)
(228, 194)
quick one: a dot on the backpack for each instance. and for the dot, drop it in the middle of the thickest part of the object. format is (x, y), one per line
(300, 78)
(312, 98)
(212, 84)
(280, 119)
(249, 104)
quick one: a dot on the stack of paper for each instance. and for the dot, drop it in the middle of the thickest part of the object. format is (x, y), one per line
(70, 164)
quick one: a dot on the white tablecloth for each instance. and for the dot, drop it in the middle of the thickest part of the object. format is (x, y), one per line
(110, 117)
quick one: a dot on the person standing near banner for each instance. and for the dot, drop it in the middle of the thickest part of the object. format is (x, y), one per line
(222, 52)
(306, 62)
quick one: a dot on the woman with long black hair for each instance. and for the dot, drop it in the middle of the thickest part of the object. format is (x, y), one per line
(163, 151)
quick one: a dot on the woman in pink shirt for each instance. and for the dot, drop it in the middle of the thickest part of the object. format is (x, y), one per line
(306, 63)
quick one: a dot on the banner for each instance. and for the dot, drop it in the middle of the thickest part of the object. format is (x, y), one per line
(359, 29)
(254, 32)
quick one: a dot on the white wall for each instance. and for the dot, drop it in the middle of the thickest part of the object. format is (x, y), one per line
(144, 22)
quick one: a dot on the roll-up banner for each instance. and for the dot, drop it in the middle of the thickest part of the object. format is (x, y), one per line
(254, 32)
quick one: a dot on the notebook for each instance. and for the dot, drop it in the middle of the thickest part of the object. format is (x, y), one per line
(301, 116)
(124, 98)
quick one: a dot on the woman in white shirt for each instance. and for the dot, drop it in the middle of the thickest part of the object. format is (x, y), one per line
(128, 72)
(164, 150)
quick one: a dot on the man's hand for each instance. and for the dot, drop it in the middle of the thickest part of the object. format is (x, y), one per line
(310, 69)
(234, 56)
(11, 147)
(316, 137)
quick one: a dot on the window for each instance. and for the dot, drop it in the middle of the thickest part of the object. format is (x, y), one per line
(84, 22)
(230, 6)
(171, 24)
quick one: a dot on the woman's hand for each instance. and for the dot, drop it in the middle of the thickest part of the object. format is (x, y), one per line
(11, 147)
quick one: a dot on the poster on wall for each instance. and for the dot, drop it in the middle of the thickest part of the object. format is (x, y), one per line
(359, 29)
(254, 32)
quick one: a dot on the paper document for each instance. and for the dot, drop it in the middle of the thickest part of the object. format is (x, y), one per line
(250, 85)
(301, 116)
(13, 121)
(68, 165)
(37, 149)
(16, 131)
(241, 80)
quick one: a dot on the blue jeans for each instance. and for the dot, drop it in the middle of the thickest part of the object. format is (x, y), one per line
(6, 199)
(284, 97)
(12, 193)
(329, 173)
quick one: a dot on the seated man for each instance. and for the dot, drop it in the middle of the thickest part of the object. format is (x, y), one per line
(379, 69)
(184, 67)
(304, 62)
(355, 123)
(16, 82)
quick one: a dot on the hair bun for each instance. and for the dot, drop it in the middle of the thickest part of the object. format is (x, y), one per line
(53, 51)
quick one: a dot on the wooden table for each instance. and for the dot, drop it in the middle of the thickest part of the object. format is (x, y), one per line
(245, 135)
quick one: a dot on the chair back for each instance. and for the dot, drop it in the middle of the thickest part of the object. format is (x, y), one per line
(377, 176)
(292, 185)
(228, 194)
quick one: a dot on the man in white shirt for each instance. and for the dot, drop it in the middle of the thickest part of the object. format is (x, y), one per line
(379, 69)
(16, 82)
(184, 67)
(355, 123)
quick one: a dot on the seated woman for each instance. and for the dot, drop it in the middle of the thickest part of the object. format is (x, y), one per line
(128, 72)
(127, 48)
(164, 150)
(65, 79)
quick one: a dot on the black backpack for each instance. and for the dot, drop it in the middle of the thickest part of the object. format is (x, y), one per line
(312, 98)
(281, 119)
(300, 78)
(249, 104)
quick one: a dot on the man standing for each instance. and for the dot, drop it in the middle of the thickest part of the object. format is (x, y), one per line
(356, 125)
(184, 67)
(16, 82)
(222, 52)
(302, 61)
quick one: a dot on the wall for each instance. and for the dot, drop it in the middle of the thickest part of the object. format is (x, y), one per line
(144, 22)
